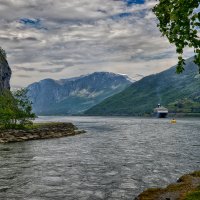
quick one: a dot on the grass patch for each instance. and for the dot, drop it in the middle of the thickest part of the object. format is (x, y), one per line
(193, 196)
(19, 127)
(32, 126)
(196, 174)
(175, 187)
(150, 194)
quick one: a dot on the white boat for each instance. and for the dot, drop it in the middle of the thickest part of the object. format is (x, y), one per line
(161, 112)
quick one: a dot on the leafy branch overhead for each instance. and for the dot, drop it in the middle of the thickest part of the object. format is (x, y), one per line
(179, 21)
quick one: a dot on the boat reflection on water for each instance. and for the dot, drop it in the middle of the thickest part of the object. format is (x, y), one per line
(160, 111)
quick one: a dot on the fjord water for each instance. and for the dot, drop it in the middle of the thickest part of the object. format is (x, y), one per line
(116, 159)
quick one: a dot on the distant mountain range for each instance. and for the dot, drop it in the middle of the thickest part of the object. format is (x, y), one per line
(75, 95)
(179, 92)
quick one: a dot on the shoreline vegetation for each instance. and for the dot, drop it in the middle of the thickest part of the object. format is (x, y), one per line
(186, 188)
(39, 131)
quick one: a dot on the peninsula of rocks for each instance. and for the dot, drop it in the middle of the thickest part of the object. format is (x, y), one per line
(39, 131)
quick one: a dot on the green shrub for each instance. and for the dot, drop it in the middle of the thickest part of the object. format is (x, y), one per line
(15, 109)
(193, 196)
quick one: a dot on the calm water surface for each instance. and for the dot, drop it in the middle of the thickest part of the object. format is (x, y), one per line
(116, 159)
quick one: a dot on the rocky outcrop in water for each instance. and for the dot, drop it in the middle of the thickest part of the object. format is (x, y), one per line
(40, 131)
(186, 188)
(5, 73)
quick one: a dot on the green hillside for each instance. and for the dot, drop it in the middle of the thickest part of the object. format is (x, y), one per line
(178, 92)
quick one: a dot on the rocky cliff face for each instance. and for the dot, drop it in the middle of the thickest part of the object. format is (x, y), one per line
(5, 73)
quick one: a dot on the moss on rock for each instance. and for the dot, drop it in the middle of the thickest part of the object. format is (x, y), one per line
(186, 188)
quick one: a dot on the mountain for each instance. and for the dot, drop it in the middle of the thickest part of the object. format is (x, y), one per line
(75, 95)
(5, 73)
(179, 92)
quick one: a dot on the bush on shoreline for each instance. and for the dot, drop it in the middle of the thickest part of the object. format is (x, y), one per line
(15, 110)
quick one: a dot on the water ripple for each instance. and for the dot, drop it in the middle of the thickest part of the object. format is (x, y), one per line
(116, 159)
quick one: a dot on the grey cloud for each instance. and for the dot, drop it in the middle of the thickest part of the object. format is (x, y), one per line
(81, 39)
(32, 69)
(23, 76)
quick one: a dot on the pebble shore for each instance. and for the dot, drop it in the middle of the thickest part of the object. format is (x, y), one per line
(41, 131)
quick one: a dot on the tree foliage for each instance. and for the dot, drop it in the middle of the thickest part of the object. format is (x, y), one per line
(15, 109)
(8, 109)
(179, 21)
(24, 105)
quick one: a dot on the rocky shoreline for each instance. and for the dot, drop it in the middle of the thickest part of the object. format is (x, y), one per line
(186, 188)
(39, 131)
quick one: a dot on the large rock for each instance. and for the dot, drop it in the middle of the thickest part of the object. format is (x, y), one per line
(5, 73)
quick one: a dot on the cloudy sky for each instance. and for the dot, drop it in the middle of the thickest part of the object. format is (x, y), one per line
(64, 38)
